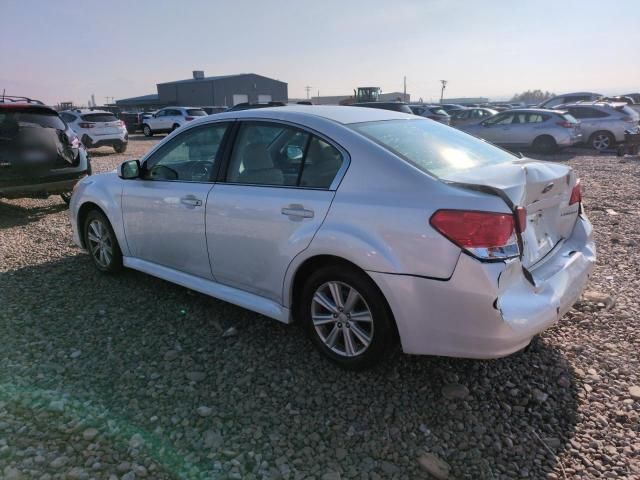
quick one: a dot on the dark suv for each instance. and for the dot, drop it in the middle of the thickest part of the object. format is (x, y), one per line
(39, 154)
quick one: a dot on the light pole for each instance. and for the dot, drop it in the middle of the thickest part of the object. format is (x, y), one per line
(444, 85)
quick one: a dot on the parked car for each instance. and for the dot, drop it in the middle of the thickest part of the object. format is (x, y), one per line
(448, 107)
(392, 106)
(97, 128)
(39, 154)
(363, 224)
(168, 119)
(603, 124)
(250, 106)
(541, 129)
(570, 98)
(433, 112)
(214, 110)
(471, 115)
(133, 121)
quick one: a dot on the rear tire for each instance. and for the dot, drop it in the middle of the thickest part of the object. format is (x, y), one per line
(66, 197)
(545, 144)
(356, 331)
(175, 127)
(121, 148)
(602, 140)
(146, 129)
(101, 242)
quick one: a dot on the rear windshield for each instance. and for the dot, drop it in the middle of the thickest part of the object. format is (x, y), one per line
(11, 120)
(433, 147)
(99, 117)
(439, 111)
(196, 112)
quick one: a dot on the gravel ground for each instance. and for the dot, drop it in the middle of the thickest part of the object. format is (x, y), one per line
(127, 376)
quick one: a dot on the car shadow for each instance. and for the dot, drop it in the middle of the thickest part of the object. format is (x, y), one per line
(12, 215)
(130, 355)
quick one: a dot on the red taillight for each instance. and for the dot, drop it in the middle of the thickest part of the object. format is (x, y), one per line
(576, 194)
(521, 219)
(86, 125)
(121, 123)
(471, 229)
(566, 124)
(188, 119)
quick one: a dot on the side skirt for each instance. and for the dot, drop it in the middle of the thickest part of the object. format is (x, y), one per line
(238, 297)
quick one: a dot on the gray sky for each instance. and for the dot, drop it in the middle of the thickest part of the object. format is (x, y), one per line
(66, 50)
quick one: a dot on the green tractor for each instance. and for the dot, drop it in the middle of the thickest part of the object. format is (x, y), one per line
(363, 94)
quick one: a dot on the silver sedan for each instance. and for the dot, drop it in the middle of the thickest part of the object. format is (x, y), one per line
(537, 128)
(367, 226)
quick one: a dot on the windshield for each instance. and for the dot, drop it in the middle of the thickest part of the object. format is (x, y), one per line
(432, 147)
(43, 118)
(196, 112)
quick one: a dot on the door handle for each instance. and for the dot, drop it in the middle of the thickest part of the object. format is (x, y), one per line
(191, 201)
(296, 210)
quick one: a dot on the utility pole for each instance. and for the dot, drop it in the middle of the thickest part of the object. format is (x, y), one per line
(308, 89)
(444, 85)
(404, 96)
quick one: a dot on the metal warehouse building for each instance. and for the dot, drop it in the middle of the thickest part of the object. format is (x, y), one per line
(222, 90)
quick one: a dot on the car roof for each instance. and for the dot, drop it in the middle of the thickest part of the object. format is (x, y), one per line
(594, 103)
(340, 114)
(531, 110)
(84, 111)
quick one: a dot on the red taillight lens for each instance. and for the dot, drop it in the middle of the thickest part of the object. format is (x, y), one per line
(471, 229)
(576, 194)
(521, 219)
(188, 119)
(86, 125)
(121, 123)
(566, 124)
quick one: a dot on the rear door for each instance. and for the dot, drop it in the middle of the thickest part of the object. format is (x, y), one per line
(274, 195)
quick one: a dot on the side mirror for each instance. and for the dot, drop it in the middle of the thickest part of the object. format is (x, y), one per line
(129, 169)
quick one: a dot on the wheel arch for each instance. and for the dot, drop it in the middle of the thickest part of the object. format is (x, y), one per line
(311, 264)
(83, 212)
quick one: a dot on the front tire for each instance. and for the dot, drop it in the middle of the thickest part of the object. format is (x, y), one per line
(602, 140)
(120, 148)
(346, 316)
(101, 242)
(146, 129)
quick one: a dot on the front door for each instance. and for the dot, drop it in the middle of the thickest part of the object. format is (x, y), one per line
(277, 191)
(164, 211)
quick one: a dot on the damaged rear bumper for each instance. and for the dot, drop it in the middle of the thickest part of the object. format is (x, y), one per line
(489, 310)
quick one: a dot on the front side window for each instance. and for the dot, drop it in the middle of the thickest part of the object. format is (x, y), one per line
(189, 157)
(280, 155)
(431, 146)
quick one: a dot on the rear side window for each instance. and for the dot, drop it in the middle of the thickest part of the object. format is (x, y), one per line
(13, 120)
(431, 146)
(196, 112)
(567, 117)
(279, 155)
(99, 117)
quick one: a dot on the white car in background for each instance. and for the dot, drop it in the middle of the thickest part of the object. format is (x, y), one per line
(168, 119)
(97, 128)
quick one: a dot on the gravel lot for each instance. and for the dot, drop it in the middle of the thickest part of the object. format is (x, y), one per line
(126, 377)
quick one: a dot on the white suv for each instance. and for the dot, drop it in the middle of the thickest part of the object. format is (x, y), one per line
(170, 118)
(97, 128)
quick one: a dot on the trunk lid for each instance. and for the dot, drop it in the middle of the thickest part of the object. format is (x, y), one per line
(543, 188)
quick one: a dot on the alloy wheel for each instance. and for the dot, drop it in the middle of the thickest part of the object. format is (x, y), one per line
(100, 243)
(342, 319)
(601, 141)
